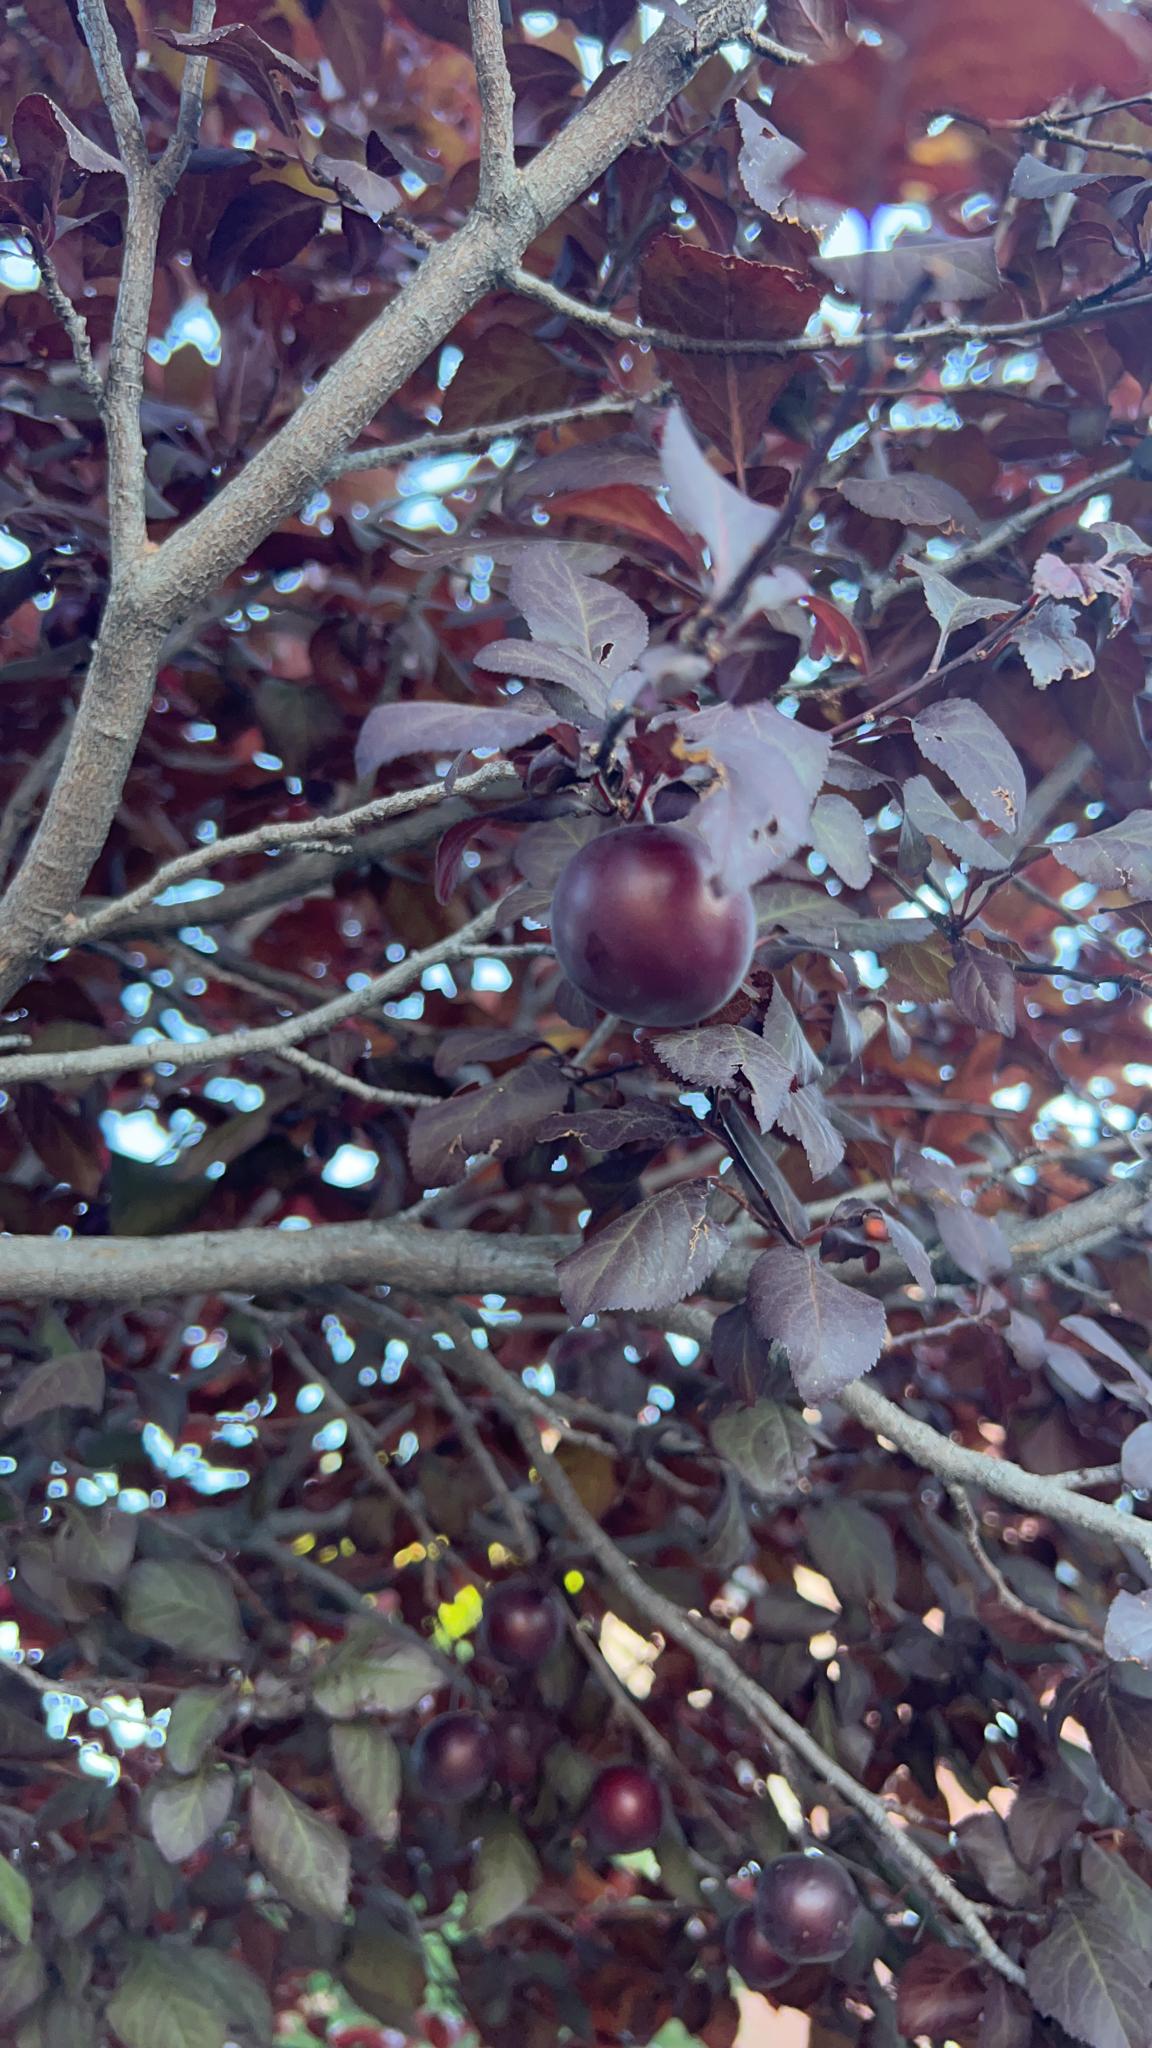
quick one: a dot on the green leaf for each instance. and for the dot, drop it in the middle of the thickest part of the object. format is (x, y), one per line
(385, 1971)
(368, 1766)
(185, 1814)
(189, 1607)
(232, 1988)
(375, 1674)
(505, 1875)
(198, 1717)
(15, 1901)
(158, 2004)
(1088, 1975)
(75, 1901)
(307, 1858)
(96, 1545)
(769, 1445)
(22, 1981)
(75, 1380)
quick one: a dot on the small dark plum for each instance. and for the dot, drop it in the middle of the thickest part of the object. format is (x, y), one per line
(806, 1908)
(522, 1625)
(642, 927)
(752, 1954)
(454, 1758)
(625, 1810)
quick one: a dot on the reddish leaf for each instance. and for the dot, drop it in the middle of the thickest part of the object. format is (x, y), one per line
(911, 500)
(983, 988)
(693, 291)
(261, 229)
(834, 634)
(499, 1120)
(505, 372)
(833, 1334)
(269, 73)
(939, 1993)
(421, 727)
(652, 1257)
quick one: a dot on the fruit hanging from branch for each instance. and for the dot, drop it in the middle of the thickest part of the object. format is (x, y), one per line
(806, 1908)
(644, 928)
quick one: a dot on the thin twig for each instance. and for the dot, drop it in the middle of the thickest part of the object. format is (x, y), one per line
(321, 1070)
(270, 1038)
(74, 325)
(115, 90)
(1088, 304)
(444, 441)
(182, 142)
(1083, 1638)
(268, 838)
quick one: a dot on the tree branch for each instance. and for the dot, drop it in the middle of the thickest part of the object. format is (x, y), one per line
(1088, 305)
(498, 181)
(182, 142)
(115, 90)
(270, 1038)
(1083, 1638)
(440, 442)
(73, 323)
(267, 838)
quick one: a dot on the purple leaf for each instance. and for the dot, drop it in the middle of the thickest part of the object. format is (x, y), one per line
(545, 849)
(1072, 1371)
(959, 270)
(1091, 1979)
(1120, 857)
(975, 1243)
(1136, 1458)
(45, 141)
(594, 465)
(1051, 646)
(260, 229)
(802, 1115)
(1032, 179)
(501, 1118)
(908, 1245)
(833, 1334)
(1128, 1628)
(951, 607)
(483, 1045)
(565, 608)
(911, 500)
(770, 770)
(962, 740)
(606, 1130)
(766, 159)
(704, 502)
(1115, 1707)
(393, 730)
(710, 1056)
(782, 1030)
(358, 186)
(269, 73)
(769, 1445)
(840, 834)
(756, 1162)
(1041, 1822)
(927, 811)
(740, 1359)
(650, 1258)
(557, 665)
(984, 1840)
(1112, 1880)
(983, 988)
(1099, 1339)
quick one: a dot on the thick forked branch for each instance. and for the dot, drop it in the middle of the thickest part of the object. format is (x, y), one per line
(166, 584)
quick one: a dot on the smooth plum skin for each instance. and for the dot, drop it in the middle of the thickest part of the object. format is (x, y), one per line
(454, 1758)
(521, 1626)
(752, 1954)
(806, 1908)
(643, 930)
(625, 1811)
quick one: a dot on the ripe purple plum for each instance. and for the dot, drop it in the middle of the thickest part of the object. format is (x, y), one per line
(521, 1626)
(644, 929)
(454, 1758)
(624, 1810)
(806, 1908)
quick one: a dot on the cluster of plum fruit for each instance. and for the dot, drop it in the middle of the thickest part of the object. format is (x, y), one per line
(805, 1906)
